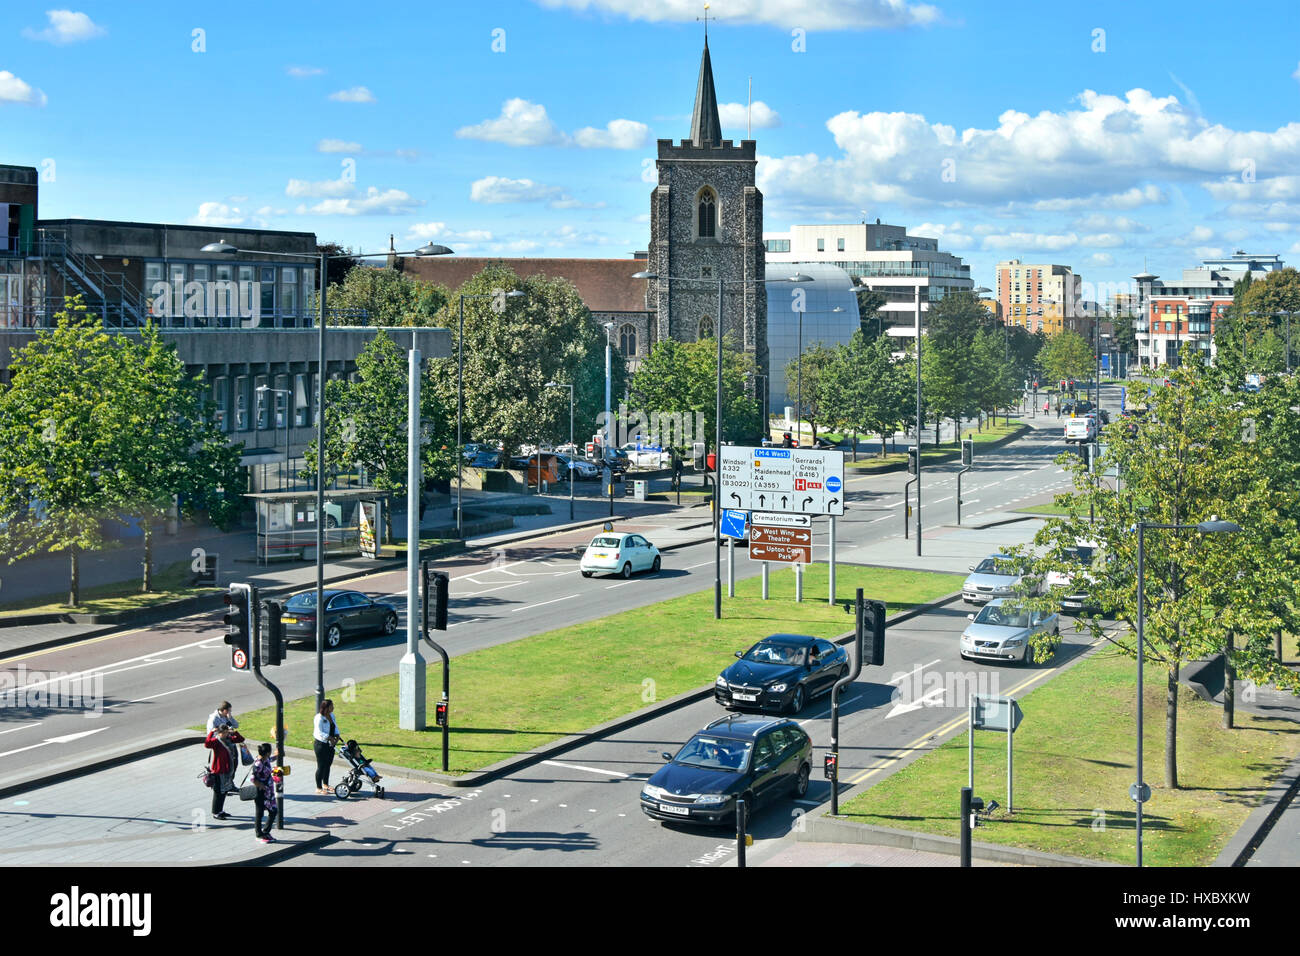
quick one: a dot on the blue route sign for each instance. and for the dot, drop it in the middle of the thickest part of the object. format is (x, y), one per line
(733, 523)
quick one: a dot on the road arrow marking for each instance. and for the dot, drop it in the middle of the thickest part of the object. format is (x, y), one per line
(66, 738)
(901, 708)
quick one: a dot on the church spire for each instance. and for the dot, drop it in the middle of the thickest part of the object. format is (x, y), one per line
(706, 128)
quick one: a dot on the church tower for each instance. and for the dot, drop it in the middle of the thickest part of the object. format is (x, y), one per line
(706, 222)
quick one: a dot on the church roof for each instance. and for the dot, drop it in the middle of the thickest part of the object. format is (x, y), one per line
(606, 285)
(706, 128)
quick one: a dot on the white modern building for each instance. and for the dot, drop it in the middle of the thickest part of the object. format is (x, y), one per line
(876, 256)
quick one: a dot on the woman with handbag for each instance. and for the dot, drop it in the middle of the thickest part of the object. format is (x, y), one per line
(325, 734)
(221, 742)
(264, 800)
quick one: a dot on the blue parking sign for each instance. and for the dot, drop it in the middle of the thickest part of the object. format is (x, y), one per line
(733, 523)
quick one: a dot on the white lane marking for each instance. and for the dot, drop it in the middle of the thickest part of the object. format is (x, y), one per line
(575, 766)
(827, 712)
(694, 566)
(619, 585)
(34, 723)
(809, 803)
(544, 603)
(458, 623)
(66, 738)
(885, 518)
(177, 691)
(131, 660)
(919, 667)
(512, 584)
(96, 670)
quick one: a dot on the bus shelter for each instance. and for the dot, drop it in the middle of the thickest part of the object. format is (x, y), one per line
(286, 523)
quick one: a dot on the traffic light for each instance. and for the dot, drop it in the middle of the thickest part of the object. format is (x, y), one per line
(272, 634)
(874, 642)
(830, 765)
(440, 714)
(967, 451)
(440, 587)
(237, 626)
(911, 460)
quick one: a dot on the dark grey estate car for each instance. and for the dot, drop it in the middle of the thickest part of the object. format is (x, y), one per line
(347, 613)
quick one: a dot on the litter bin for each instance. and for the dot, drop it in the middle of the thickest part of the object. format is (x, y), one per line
(711, 461)
(639, 489)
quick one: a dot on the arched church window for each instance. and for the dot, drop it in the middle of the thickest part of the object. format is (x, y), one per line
(708, 214)
(627, 340)
(705, 328)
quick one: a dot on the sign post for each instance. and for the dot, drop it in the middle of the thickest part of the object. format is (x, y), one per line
(994, 713)
(831, 597)
(967, 460)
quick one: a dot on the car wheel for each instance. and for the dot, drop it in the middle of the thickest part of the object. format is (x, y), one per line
(801, 781)
(331, 521)
(1028, 659)
(797, 701)
(655, 567)
(586, 574)
(627, 570)
(390, 624)
(333, 636)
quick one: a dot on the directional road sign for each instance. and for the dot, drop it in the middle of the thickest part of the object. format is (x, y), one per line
(789, 553)
(794, 480)
(761, 534)
(994, 713)
(777, 519)
(733, 524)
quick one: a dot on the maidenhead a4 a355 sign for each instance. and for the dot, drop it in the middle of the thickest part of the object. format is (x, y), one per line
(796, 480)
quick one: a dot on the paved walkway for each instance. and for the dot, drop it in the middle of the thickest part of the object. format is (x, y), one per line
(856, 854)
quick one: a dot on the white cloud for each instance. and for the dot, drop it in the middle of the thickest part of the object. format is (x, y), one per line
(66, 26)
(303, 71)
(617, 134)
(1208, 252)
(305, 189)
(1031, 241)
(1236, 235)
(522, 123)
(428, 231)
(389, 202)
(1128, 199)
(733, 115)
(1104, 223)
(1296, 76)
(1197, 234)
(498, 189)
(950, 237)
(1102, 240)
(1279, 226)
(218, 214)
(1275, 211)
(828, 15)
(1101, 259)
(1275, 187)
(357, 94)
(337, 146)
(14, 90)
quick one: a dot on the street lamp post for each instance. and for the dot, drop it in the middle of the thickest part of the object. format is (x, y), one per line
(717, 453)
(224, 248)
(1140, 792)
(571, 445)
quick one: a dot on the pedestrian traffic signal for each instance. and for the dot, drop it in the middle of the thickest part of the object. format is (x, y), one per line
(440, 587)
(967, 451)
(911, 461)
(440, 714)
(830, 766)
(272, 634)
(237, 625)
(873, 651)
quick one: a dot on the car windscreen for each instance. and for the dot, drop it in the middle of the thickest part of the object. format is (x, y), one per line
(1080, 555)
(1003, 617)
(767, 652)
(996, 566)
(605, 542)
(715, 753)
(302, 601)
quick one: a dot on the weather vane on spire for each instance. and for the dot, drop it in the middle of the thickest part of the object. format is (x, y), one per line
(705, 18)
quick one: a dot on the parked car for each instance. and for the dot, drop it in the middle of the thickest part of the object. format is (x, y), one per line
(997, 576)
(583, 470)
(619, 553)
(756, 758)
(646, 456)
(486, 459)
(347, 614)
(1003, 633)
(780, 673)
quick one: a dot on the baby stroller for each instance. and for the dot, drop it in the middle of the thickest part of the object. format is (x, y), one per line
(361, 771)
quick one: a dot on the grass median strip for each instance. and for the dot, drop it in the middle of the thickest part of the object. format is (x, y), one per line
(514, 697)
(937, 454)
(1074, 759)
(171, 583)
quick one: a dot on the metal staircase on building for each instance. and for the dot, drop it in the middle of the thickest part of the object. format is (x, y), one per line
(114, 297)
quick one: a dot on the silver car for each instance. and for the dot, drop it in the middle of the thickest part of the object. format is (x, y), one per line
(1002, 633)
(997, 576)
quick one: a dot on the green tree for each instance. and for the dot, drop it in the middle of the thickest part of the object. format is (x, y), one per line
(385, 297)
(513, 347)
(1066, 355)
(1251, 335)
(366, 422)
(947, 377)
(867, 389)
(870, 303)
(682, 377)
(811, 375)
(992, 378)
(1195, 456)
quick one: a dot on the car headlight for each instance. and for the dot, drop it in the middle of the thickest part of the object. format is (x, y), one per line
(720, 682)
(654, 793)
(1014, 642)
(711, 798)
(777, 688)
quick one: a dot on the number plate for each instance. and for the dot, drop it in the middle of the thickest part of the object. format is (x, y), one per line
(746, 697)
(598, 555)
(677, 811)
(288, 620)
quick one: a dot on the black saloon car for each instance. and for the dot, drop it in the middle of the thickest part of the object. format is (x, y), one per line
(757, 758)
(780, 673)
(347, 613)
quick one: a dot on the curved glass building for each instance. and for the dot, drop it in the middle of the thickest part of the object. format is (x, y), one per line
(829, 312)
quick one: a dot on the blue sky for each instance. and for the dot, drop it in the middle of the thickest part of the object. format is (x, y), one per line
(1103, 136)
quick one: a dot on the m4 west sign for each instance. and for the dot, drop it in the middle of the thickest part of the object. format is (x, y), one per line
(797, 480)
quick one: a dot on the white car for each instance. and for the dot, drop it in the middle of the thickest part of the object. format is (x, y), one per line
(1002, 633)
(583, 470)
(997, 576)
(1083, 429)
(612, 552)
(647, 456)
